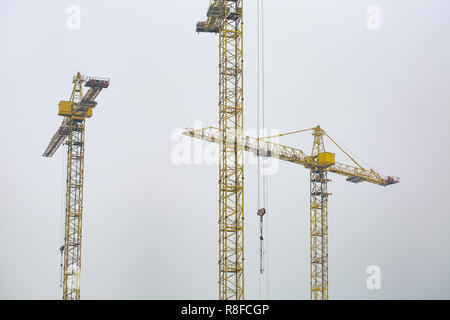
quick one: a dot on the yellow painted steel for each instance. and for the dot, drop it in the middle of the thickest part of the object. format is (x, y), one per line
(319, 218)
(290, 154)
(72, 131)
(319, 163)
(326, 159)
(231, 160)
(74, 200)
(225, 17)
(65, 108)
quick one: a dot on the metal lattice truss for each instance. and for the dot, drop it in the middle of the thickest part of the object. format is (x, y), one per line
(225, 18)
(270, 149)
(58, 138)
(319, 234)
(318, 223)
(74, 211)
(74, 200)
(231, 160)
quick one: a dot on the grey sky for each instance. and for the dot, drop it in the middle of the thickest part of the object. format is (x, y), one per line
(150, 226)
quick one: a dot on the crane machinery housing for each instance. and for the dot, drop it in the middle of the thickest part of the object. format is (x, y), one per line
(319, 163)
(72, 131)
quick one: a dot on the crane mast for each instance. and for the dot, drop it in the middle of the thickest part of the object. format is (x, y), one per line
(72, 131)
(74, 200)
(318, 223)
(225, 18)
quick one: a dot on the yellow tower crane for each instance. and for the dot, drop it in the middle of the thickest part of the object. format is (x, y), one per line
(75, 111)
(319, 163)
(224, 17)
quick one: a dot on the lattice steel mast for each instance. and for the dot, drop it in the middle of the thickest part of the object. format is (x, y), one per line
(225, 18)
(74, 200)
(72, 131)
(318, 222)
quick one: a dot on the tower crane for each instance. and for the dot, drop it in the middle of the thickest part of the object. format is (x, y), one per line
(224, 17)
(319, 163)
(75, 111)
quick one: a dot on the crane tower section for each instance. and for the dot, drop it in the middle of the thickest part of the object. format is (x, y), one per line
(74, 200)
(319, 218)
(225, 19)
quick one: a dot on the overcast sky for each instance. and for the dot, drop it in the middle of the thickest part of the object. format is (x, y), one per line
(150, 225)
